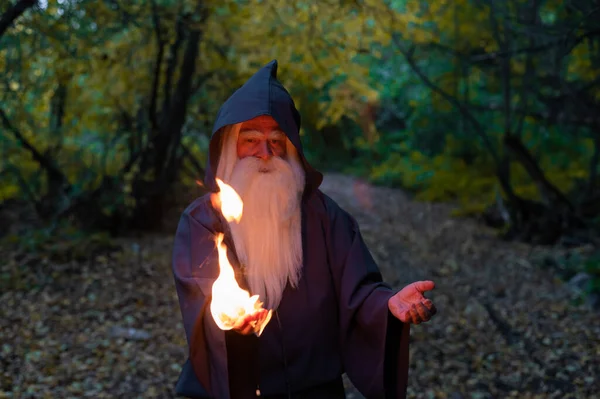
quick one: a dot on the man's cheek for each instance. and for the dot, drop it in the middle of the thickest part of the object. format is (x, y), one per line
(280, 151)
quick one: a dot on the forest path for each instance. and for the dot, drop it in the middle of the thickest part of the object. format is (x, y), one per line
(505, 326)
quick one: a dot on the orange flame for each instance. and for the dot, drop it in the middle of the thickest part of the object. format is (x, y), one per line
(230, 202)
(229, 302)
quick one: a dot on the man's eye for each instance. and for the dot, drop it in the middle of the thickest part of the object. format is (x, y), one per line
(251, 141)
(276, 142)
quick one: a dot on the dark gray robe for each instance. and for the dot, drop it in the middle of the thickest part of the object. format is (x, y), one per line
(337, 319)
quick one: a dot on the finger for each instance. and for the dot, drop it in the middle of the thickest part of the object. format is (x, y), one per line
(239, 323)
(249, 319)
(252, 317)
(433, 309)
(247, 329)
(264, 316)
(243, 322)
(414, 314)
(260, 317)
(427, 303)
(249, 324)
(423, 286)
(215, 200)
(423, 312)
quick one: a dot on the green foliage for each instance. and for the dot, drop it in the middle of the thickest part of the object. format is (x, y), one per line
(592, 267)
(374, 82)
(80, 77)
(472, 182)
(435, 150)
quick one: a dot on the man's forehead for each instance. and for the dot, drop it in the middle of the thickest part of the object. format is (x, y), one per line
(261, 123)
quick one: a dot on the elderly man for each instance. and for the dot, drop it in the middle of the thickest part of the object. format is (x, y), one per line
(302, 254)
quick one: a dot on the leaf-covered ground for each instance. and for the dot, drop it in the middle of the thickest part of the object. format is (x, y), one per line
(110, 326)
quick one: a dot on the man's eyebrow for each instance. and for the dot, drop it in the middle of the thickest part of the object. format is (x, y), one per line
(277, 134)
(250, 132)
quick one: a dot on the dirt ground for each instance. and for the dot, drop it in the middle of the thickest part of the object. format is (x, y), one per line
(505, 327)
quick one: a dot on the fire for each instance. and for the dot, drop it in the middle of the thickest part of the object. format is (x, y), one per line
(229, 302)
(230, 202)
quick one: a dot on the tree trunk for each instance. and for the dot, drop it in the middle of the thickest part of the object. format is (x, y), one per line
(593, 178)
(162, 159)
(14, 12)
(58, 184)
(545, 222)
(551, 196)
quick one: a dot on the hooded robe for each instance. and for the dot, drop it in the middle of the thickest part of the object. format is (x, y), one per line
(337, 320)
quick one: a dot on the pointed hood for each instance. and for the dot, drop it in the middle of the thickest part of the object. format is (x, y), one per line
(262, 94)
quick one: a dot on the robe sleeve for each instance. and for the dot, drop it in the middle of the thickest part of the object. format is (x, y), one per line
(195, 267)
(374, 344)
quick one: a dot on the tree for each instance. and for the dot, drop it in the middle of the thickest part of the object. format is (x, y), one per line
(13, 12)
(126, 92)
(109, 104)
(520, 57)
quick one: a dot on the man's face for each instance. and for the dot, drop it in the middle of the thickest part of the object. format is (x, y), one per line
(262, 138)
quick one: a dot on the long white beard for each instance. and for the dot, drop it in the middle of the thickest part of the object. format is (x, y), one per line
(268, 238)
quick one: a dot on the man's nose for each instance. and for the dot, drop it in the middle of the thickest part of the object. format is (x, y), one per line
(264, 151)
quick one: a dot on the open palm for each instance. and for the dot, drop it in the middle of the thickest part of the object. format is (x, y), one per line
(410, 306)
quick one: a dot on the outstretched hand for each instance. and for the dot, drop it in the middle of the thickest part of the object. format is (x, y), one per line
(247, 325)
(410, 306)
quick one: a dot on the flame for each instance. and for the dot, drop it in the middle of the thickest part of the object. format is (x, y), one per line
(230, 202)
(229, 302)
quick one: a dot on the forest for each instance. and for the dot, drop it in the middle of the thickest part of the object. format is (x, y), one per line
(480, 113)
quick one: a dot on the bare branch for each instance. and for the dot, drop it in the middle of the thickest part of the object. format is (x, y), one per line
(27, 190)
(594, 161)
(57, 115)
(551, 195)
(549, 117)
(479, 129)
(535, 49)
(12, 13)
(503, 43)
(527, 81)
(53, 172)
(193, 160)
(157, 66)
(200, 81)
(171, 65)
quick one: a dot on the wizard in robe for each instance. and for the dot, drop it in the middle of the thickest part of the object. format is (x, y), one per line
(302, 254)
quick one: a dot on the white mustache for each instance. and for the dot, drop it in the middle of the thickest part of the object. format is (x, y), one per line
(263, 166)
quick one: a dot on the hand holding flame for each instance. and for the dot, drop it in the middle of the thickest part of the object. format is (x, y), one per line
(231, 306)
(253, 323)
